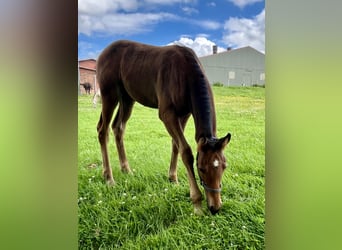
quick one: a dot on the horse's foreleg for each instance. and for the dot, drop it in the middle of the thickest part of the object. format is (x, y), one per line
(174, 127)
(118, 126)
(174, 154)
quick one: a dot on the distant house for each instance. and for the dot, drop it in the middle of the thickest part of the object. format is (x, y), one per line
(87, 74)
(238, 67)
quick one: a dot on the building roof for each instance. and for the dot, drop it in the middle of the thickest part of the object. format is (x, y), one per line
(89, 59)
(88, 64)
(92, 69)
(233, 51)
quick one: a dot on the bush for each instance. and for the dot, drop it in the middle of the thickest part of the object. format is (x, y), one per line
(259, 85)
(218, 84)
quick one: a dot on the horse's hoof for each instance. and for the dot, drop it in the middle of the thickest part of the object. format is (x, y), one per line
(198, 211)
(110, 182)
(125, 168)
(173, 180)
(126, 171)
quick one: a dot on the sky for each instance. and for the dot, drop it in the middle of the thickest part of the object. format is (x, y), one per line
(197, 24)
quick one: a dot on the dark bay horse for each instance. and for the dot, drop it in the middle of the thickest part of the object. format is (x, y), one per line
(171, 79)
(87, 87)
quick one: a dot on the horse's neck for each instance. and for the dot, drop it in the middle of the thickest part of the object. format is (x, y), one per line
(203, 111)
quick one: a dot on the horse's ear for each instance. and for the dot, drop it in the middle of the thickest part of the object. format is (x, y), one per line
(201, 145)
(224, 141)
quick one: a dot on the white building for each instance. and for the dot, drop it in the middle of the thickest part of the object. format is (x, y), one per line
(238, 67)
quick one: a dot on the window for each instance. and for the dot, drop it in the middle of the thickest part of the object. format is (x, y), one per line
(262, 77)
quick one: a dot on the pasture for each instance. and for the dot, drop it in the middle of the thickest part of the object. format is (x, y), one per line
(144, 210)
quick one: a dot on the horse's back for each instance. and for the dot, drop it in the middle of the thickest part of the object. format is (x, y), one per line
(147, 73)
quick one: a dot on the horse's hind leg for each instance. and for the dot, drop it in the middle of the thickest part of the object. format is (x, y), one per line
(173, 165)
(119, 125)
(108, 106)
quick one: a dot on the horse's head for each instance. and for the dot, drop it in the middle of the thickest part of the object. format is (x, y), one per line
(210, 165)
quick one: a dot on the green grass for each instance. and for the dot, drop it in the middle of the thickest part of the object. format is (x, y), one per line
(144, 210)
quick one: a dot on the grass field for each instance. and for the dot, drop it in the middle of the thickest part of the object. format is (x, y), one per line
(144, 210)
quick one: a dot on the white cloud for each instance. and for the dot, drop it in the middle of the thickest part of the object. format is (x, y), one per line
(115, 19)
(120, 23)
(203, 35)
(98, 7)
(241, 32)
(201, 45)
(243, 3)
(168, 2)
(125, 17)
(122, 17)
(206, 24)
(118, 17)
(189, 11)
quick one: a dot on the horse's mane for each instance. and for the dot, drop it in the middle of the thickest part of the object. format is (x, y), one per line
(202, 103)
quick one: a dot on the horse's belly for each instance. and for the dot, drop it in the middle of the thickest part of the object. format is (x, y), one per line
(144, 97)
(147, 102)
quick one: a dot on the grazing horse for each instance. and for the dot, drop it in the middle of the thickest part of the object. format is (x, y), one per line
(171, 79)
(87, 87)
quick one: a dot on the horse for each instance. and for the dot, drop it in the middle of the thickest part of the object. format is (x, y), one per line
(87, 87)
(172, 80)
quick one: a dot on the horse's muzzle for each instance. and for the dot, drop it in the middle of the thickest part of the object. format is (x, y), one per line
(214, 210)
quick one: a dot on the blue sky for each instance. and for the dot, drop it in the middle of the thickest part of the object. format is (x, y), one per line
(193, 23)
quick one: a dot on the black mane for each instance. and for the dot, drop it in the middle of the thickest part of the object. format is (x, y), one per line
(202, 102)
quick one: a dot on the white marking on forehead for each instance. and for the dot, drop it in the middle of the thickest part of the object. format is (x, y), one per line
(216, 163)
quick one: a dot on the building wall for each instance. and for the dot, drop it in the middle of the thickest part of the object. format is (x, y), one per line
(239, 67)
(87, 76)
(87, 71)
